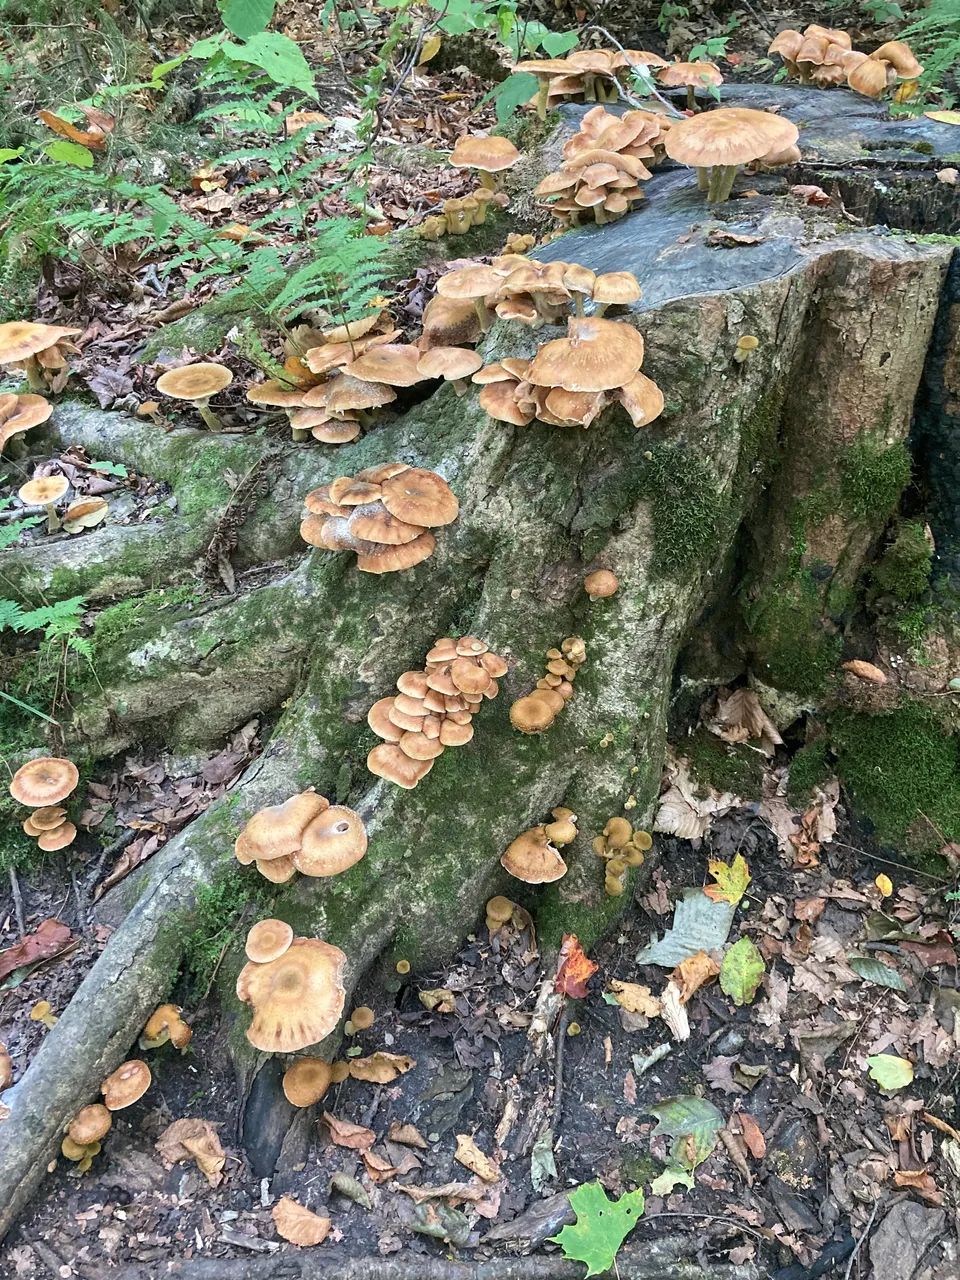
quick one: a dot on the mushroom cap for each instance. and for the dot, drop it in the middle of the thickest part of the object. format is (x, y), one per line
(469, 282)
(449, 363)
(40, 492)
(469, 676)
(85, 513)
(380, 722)
(500, 909)
(384, 558)
(90, 1124)
(363, 1017)
(306, 1081)
(787, 43)
(335, 432)
(167, 1018)
(271, 392)
(415, 744)
(453, 734)
(48, 818)
(394, 363)
(616, 287)
(600, 584)
(870, 77)
(268, 940)
(598, 355)
(297, 999)
(642, 399)
(901, 58)
(572, 408)
(344, 392)
(333, 842)
(130, 1081)
(833, 34)
(488, 154)
(334, 355)
(420, 497)
(532, 858)
(20, 413)
(372, 522)
(532, 715)
(275, 832)
(728, 136)
(389, 762)
(20, 339)
(499, 400)
(58, 838)
(194, 381)
(45, 781)
(786, 155)
(698, 74)
(277, 870)
(545, 66)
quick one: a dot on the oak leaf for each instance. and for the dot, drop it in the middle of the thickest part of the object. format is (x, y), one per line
(575, 968)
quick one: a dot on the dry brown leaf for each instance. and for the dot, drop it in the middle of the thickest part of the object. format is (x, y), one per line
(920, 1181)
(865, 671)
(635, 998)
(297, 1224)
(941, 1125)
(630, 1088)
(452, 1191)
(50, 938)
(682, 812)
(809, 909)
(407, 1134)
(753, 1138)
(380, 1067)
(471, 1157)
(692, 973)
(345, 1134)
(738, 717)
(673, 1013)
(439, 1000)
(379, 1170)
(197, 1139)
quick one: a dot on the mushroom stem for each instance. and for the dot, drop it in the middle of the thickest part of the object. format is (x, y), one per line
(599, 215)
(460, 387)
(578, 304)
(589, 87)
(209, 417)
(601, 308)
(703, 179)
(727, 181)
(53, 520)
(364, 418)
(482, 314)
(299, 434)
(542, 91)
(34, 377)
(487, 180)
(691, 98)
(721, 182)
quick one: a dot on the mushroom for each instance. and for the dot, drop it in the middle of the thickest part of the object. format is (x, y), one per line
(58, 838)
(488, 155)
(615, 288)
(901, 57)
(532, 858)
(85, 514)
(126, 1085)
(473, 283)
(869, 76)
(745, 345)
(692, 75)
(306, 1081)
(717, 142)
(390, 763)
(163, 1025)
(6, 1068)
(276, 831)
(297, 999)
(545, 69)
(595, 66)
(45, 492)
(21, 413)
(363, 1018)
(598, 355)
(642, 399)
(420, 497)
(196, 383)
(22, 341)
(268, 940)
(600, 584)
(499, 912)
(48, 818)
(394, 364)
(449, 322)
(42, 1012)
(277, 395)
(563, 829)
(151, 409)
(453, 364)
(90, 1124)
(333, 842)
(44, 781)
(788, 44)
(532, 714)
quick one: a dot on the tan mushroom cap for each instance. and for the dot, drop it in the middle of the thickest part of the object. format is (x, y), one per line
(275, 832)
(698, 74)
(389, 762)
(297, 999)
(372, 522)
(40, 492)
(90, 1124)
(379, 721)
(532, 858)
(165, 1024)
(335, 432)
(277, 870)
(20, 413)
(451, 363)
(600, 584)
(420, 497)
(45, 781)
(271, 393)
(21, 339)
(616, 287)
(642, 399)
(489, 154)
(870, 77)
(333, 842)
(901, 57)
(384, 558)
(532, 715)
(545, 66)
(48, 818)
(129, 1082)
(728, 136)
(598, 355)
(787, 43)
(345, 392)
(194, 381)
(469, 282)
(6, 1068)
(394, 364)
(306, 1081)
(499, 400)
(58, 838)
(268, 940)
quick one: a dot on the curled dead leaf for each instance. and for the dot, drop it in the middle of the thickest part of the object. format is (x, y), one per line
(865, 671)
(753, 1138)
(439, 1000)
(197, 1139)
(635, 998)
(407, 1134)
(472, 1158)
(345, 1134)
(691, 974)
(673, 1013)
(297, 1224)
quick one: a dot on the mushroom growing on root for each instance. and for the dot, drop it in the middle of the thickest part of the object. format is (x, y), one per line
(601, 584)
(899, 59)
(538, 710)
(621, 847)
(547, 70)
(196, 383)
(90, 1124)
(166, 1024)
(717, 142)
(31, 347)
(19, 414)
(471, 284)
(532, 858)
(691, 76)
(306, 1081)
(453, 364)
(297, 999)
(45, 492)
(268, 940)
(278, 395)
(489, 156)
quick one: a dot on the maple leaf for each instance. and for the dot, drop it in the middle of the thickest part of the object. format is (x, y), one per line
(602, 1226)
(691, 973)
(732, 880)
(575, 968)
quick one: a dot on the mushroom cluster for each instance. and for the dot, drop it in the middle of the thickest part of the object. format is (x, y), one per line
(163, 1025)
(307, 834)
(84, 1134)
(432, 709)
(41, 785)
(571, 380)
(297, 995)
(197, 383)
(40, 350)
(717, 143)
(825, 56)
(457, 216)
(19, 414)
(537, 710)
(603, 165)
(591, 75)
(383, 513)
(534, 856)
(621, 847)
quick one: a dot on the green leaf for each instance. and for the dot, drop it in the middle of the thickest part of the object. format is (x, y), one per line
(671, 1177)
(208, 47)
(24, 706)
(602, 1226)
(693, 1123)
(277, 55)
(741, 971)
(873, 970)
(557, 43)
(10, 153)
(70, 153)
(110, 469)
(890, 1072)
(245, 18)
(699, 924)
(163, 69)
(512, 92)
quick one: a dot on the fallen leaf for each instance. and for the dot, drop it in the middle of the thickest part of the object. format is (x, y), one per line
(50, 938)
(718, 1073)
(439, 1000)
(941, 1125)
(699, 924)
(737, 716)
(471, 1157)
(890, 1072)
(602, 1226)
(732, 880)
(693, 1123)
(943, 117)
(575, 968)
(108, 385)
(865, 671)
(752, 1136)
(345, 1134)
(635, 998)
(297, 1224)
(870, 969)
(932, 951)
(742, 971)
(378, 1169)
(809, 909)
(920, 1181)
(812, 195)
(197, 1139)
(381, 1068)
(682, 811)
(429, 49)
(730, 240)
(693, 972)
(673, 1013)
(948, 177)
(407, 1134)
(94, 139)
(452, 1191)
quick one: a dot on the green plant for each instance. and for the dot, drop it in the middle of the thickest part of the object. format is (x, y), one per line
(58, 625)
(668, 12)
(935, 38)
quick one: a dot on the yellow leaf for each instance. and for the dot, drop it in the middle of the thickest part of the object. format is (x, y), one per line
(470, 1155)
(430, 49)
(732, 880)
(944, 117)
(297, 1224)
(635, 998)
(884, 884)
(381, 1068)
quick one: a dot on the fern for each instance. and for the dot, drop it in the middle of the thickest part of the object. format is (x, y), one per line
(935, 38)
(11, 615)
(347, 273)
(11, 532)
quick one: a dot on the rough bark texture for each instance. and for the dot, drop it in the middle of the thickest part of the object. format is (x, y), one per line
(715, 521)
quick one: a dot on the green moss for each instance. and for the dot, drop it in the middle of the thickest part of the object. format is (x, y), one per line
(726, 766)
(796, 652)
(214, 920)
(687, 508)
(808, 769)
(115, 622)
(903, 772)
(903, 570)
(872, 477)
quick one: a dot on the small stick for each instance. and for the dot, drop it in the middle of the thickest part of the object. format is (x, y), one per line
(636, 102)
(863, 1239)
(17, 902)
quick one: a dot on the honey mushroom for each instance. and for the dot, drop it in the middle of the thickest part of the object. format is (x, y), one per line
(536, 711)
(197, 383)
(297, 999)
(306, 834)
(533, 856)
(163, 1025)
(19, 414)
(45, 492)
(621, 847)
(34, 347)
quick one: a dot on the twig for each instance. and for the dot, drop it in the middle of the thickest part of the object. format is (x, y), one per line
(93, 875)
(384, 115)
(17, 903)
(863, 1238)
(558, 1068)
(713, 1217)
(637, 102)
(889, 862)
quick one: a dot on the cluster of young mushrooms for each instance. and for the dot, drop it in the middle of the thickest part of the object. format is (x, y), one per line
(537, 711)
(307, 834)
(825, 57)
(42, 785)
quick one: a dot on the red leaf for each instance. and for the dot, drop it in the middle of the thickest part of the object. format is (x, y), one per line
(575, 968)
(50, 938)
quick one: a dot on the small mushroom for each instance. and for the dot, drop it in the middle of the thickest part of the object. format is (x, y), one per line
(692, 76)
(333, 842)
(600, 584)
(6, 1068)
(196, 383)
(126, 1085)
(745, 345)
(487, 155)
(41, 1012)
(363, 1018)
(306, 1081)
(499, 912)
(532, 858)
(268, 940)
(45, 492)
(163, 1025)
(90, 1124)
